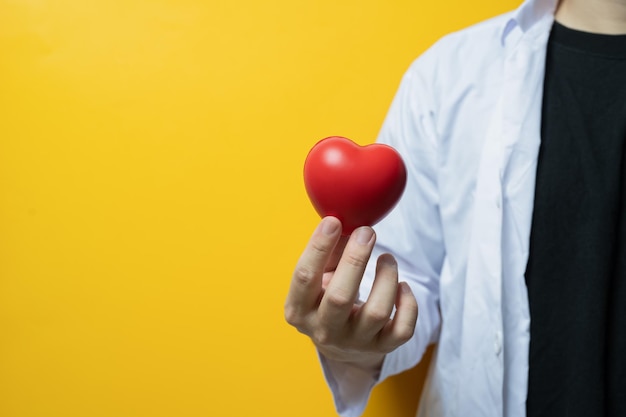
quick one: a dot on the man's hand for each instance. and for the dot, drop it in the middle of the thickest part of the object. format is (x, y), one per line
(323, 298)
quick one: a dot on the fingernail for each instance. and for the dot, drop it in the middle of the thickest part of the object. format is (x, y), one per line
(330, 226)
(388, 260)
(364, 235)
(404, 287)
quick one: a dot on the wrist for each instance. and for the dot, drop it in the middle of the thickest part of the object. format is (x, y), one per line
(368, 361)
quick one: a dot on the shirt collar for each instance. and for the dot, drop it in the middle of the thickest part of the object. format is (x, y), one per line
(529, 13)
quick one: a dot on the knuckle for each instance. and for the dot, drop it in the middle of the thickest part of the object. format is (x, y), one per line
(319, 247)
(321, 337)
(404, 333)
(304, 276)
(377, 314)
(338, 299)
(292, 316)
(355, 260)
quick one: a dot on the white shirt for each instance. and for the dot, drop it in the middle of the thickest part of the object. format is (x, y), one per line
(467, 121)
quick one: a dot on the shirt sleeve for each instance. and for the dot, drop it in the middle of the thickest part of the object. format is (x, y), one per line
(412, 232)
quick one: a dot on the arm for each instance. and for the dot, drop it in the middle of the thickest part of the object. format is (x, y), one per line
(413, 234)
(322, 301)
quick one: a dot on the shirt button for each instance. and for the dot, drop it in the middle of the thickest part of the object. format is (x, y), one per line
(497, 344)
(499, 201)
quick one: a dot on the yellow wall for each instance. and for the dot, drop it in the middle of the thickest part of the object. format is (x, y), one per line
(151, 199)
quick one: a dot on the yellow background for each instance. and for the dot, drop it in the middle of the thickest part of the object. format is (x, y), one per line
(151, 197)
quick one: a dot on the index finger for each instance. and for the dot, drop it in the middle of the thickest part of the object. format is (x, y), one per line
(306, 283)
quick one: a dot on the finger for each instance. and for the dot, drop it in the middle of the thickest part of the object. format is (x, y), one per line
(306, 283)
(341, 293)
(399, 330)
(337, 252)
(329, 270)
(376, 312)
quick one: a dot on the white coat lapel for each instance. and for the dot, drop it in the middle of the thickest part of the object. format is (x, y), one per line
(514, 130)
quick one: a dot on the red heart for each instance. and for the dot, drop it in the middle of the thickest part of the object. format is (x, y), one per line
(357, 184)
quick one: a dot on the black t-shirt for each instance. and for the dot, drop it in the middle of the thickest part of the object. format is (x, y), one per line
(576, 272)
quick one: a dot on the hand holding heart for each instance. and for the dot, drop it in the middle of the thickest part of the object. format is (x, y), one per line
(322, 300)
(353, 187)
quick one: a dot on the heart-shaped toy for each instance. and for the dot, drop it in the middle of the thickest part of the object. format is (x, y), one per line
(357, 184)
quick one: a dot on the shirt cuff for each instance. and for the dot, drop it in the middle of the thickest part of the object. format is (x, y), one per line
(350, 386)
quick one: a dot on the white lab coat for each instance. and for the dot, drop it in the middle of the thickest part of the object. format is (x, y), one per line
(467, 120)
